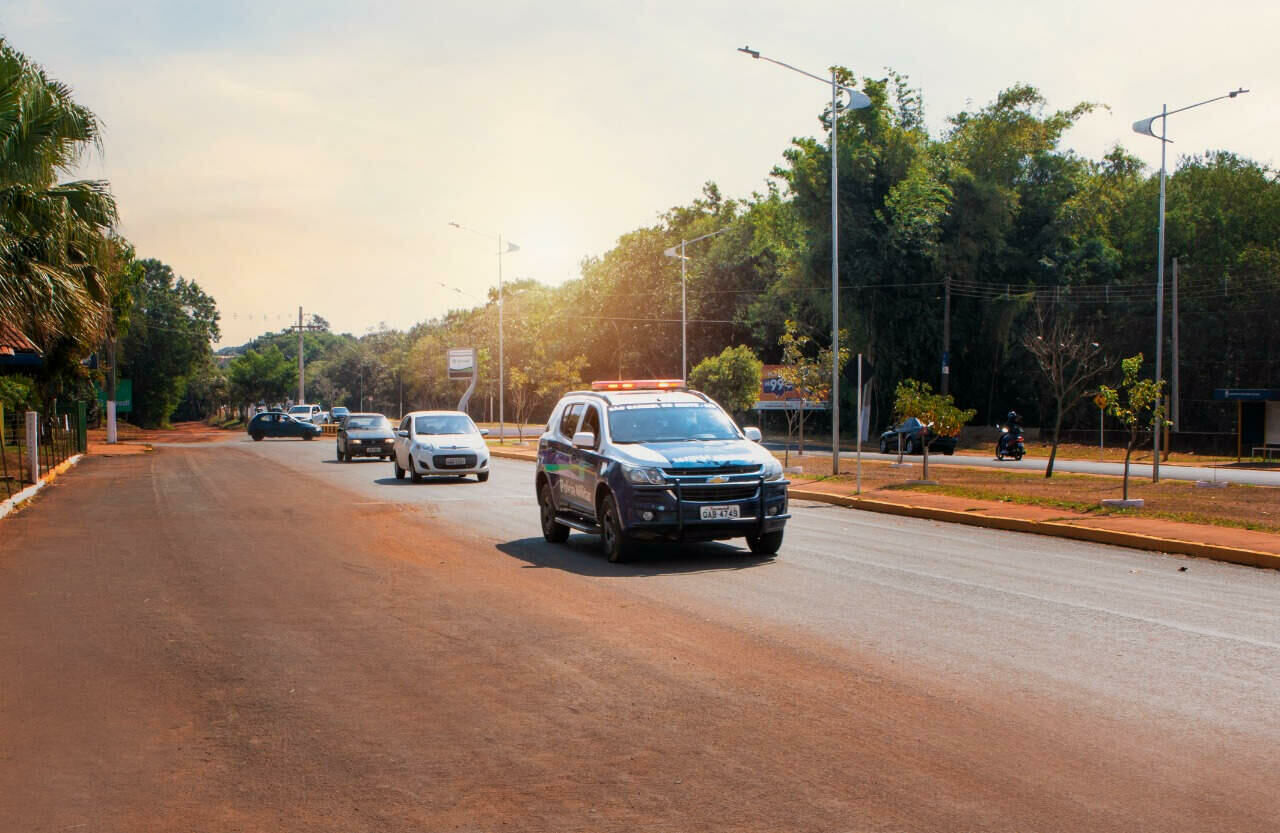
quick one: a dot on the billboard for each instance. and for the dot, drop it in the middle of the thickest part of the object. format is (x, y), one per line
(778, 395)
(462, 363)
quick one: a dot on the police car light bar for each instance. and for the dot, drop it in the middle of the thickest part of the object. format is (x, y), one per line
(640, 384)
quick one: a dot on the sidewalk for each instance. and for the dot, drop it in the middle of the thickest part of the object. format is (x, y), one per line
(1229, 544)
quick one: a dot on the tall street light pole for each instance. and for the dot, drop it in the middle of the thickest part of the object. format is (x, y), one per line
(684, 284)
(1144, 126)
(857, 101)
(502, 249)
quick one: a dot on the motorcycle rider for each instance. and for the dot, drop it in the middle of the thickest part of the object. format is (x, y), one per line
(1012, 429)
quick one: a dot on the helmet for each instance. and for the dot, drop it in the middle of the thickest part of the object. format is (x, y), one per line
(1013, 416)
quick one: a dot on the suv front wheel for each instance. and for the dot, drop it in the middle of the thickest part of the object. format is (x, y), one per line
(615, 544)
(766, 544)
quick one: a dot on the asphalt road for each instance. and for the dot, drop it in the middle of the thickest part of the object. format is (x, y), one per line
(970, 603)
(255, 636)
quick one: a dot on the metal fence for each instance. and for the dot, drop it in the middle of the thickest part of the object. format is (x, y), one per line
(59, 439)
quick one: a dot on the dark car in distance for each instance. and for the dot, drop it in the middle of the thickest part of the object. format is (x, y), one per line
(914, 434)
(276, 424)
(364, 435)
(337, 414)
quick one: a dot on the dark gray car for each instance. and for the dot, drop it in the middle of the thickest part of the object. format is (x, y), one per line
(365, 435)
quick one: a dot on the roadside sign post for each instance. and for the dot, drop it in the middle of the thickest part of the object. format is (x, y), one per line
(462, 365)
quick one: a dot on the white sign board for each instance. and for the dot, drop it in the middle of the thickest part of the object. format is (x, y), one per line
(462, 363)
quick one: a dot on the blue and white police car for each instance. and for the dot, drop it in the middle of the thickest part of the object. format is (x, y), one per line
(650, 459)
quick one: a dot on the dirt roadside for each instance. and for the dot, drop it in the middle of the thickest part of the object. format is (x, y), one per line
(179, 654)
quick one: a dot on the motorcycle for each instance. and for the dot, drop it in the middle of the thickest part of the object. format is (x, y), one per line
(1010, 444)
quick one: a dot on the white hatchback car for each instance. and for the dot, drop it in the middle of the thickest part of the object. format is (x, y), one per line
(438, 443)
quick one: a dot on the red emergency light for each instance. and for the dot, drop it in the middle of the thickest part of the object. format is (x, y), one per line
(640, 384)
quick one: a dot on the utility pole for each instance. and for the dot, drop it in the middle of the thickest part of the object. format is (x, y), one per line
(302, 328)
(1177, 417)
(946, 339)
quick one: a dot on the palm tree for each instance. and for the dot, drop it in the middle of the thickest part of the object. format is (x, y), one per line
(53, 236)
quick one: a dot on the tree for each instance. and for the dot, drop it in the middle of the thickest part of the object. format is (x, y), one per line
(936, 411)
(560, 376)
(172, 326)
(522, 391)
(1069, 358)
(809, 375)
(261, 377)
(731, 378)
(1136, 404)
(53, 236)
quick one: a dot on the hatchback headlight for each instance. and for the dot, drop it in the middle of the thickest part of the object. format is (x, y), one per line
(357, 442)
(646, 476)
(772, 470)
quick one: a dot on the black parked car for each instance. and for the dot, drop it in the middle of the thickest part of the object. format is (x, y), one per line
(914, 434)
(275, 424)
(364, 435)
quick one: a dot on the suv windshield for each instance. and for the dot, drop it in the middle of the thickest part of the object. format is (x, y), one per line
(368, 423)
(670, 422)
(443, 424)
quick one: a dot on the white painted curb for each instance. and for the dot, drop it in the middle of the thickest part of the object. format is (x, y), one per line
(10, 504)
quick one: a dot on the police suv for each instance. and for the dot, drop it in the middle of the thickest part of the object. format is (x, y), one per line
(649, 459)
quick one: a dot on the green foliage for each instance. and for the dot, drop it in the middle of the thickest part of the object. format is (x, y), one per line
(53, 236)
(171, 328)
(731, 378)
(1136, 404)
(265, 377)
(16, 393)
(937, 411)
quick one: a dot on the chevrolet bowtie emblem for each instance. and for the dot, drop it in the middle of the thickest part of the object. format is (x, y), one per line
(719, 478)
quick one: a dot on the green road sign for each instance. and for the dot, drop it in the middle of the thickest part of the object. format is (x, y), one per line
(124, 396)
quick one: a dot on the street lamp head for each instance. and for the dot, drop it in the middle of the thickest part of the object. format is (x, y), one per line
(747, 49)
(857, 100)
(1235, 93)
(455, 225)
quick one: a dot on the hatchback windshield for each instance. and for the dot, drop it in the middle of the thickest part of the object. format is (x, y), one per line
(669, 423)
(368, 423)
(443, 424)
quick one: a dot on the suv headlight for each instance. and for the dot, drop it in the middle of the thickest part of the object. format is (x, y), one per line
(772, 470)
(647, 476)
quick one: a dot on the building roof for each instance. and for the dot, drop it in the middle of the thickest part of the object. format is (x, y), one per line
(14, 344)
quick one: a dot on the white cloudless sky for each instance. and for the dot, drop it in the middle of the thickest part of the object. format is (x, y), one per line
(312, 153)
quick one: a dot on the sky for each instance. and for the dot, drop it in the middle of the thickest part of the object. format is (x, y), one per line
(314, 153)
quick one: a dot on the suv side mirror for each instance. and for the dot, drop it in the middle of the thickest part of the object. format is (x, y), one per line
(402, 433)
(753, 433)
(484, 432)
(584, 439)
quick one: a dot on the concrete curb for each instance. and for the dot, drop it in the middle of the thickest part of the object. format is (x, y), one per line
(1057, 529)
(10, 504)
